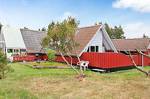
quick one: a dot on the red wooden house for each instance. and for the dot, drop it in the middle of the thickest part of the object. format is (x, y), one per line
(95, 46)
(142, 44)
(102, 52)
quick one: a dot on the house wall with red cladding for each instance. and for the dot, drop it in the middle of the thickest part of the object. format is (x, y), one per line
(146, 59)
(108, 60)
(60, 59)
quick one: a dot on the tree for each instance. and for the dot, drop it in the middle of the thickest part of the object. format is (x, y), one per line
(43, 29)
(51, 55)
(98, 23)
(26, 28)
(4, 68)
(145, 36)
(60, 37)
(109, 30)
(147, 73)
(115, 33)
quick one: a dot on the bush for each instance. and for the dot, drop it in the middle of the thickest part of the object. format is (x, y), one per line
(51, 55)
(4, 68)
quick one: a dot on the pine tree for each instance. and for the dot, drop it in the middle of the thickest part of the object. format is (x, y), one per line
(116, 32)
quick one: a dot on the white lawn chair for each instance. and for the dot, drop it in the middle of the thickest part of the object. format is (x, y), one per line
(83, 64)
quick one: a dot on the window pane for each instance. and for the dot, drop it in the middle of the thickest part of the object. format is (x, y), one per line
(23, 50)
(97, 48)
(16, 50)
(9, 50)
(92, 48)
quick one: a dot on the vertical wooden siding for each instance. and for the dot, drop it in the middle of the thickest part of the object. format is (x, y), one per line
(108, 60)
(60, 59)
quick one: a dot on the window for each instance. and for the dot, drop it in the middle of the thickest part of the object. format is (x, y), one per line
(93, 49)
(23, 50)
(9, 50)
(16, 50)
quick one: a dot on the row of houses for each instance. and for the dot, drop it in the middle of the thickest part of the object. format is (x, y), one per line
(92, 40)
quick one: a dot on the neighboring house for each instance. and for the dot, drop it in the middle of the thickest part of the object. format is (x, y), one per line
(90, 39)
(123, 45)
(94, 43)
(131, 45)
(32, 40)
(11, 41)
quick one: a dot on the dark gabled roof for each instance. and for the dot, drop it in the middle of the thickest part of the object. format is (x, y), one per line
(83, 37)
(32, 40)
(131, 44)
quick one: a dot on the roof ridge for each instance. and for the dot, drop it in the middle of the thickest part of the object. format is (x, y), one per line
(131, 39)
(78, 28)
(90, 26)
(32, 30)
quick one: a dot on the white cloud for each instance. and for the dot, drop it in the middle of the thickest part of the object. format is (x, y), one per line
(137, 5)
(136, 30)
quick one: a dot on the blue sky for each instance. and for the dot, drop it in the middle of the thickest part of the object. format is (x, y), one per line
(133, 16)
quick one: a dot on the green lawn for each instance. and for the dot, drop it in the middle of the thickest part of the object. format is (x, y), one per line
(28, 83)
(46, 64)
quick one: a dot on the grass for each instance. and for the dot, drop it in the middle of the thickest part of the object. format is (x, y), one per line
(28, 83)
(46, 64)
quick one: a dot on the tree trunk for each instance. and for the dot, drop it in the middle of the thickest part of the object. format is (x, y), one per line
(80, 66)
(72, 65)
(140, 52)
(68, 63)
(82, 73)
(139, 69)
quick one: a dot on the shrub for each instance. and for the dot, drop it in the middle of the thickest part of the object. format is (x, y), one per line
(4, 68)
(51, 55)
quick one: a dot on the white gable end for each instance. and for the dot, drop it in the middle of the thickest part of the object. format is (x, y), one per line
(97, 41)
(101, 40)
(13, 37)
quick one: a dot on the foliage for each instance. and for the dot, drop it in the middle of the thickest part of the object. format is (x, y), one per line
(43, 29)
(51, 55)
(60, 36)
(4, 68)
(115, 33)
(145, 36)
